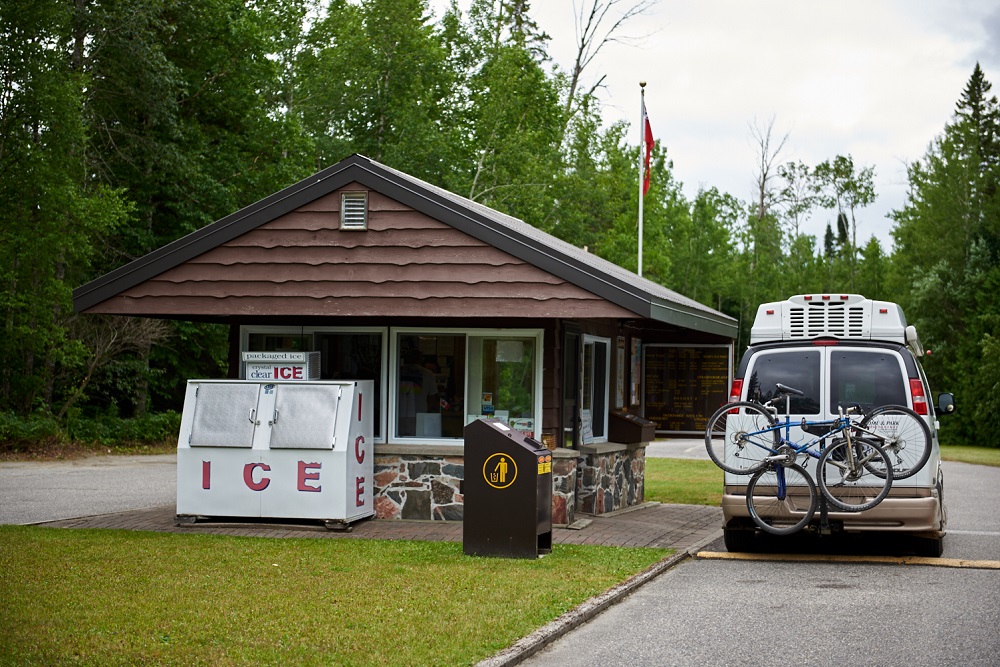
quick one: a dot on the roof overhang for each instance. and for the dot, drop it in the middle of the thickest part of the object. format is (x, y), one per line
(510, 235)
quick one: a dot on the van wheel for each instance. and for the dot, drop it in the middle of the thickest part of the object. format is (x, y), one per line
(738, 540)
(928, 547)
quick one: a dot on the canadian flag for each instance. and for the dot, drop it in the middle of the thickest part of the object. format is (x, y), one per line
(648, 142)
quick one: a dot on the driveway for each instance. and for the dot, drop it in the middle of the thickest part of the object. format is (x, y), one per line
(35, 491)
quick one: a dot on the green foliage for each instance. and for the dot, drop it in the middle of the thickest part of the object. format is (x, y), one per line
(54, 216)
(946, 263)
(35, 431)
(17, 432)
(109, 430)
(125, 126)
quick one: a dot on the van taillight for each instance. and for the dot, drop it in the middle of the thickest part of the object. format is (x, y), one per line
(734, 394)
(736, 390)
(918, 397)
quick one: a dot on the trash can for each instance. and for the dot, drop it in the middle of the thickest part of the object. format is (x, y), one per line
(508, 492)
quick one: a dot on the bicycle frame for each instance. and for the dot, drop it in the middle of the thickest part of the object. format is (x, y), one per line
(779, 460)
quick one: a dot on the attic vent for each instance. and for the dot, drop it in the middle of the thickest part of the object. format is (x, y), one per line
(354, 210)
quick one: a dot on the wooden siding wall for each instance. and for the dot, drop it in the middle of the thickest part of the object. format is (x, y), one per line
(405, 264)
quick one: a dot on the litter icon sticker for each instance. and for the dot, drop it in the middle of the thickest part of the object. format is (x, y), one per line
(500, 471)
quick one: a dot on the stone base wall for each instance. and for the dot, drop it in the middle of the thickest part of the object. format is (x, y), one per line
(564, 475)
(597, 480)
(424, 488)
(611, 477)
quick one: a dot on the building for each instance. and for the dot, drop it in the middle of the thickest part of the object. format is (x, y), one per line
(455, 311)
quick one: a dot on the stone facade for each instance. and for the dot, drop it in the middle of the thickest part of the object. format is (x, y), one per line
(416, 487)
(597, 480)
(611, 477)
(564, 469)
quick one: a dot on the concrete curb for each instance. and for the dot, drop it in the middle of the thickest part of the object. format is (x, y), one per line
(545, 635)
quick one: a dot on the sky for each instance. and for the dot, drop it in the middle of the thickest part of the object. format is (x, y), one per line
(873, 79)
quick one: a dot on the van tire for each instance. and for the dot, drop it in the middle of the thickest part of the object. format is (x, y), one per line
(740, 540)
(928, 547)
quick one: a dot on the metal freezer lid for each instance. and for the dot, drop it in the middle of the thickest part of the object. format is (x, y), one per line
(224, 415)
(305, 416)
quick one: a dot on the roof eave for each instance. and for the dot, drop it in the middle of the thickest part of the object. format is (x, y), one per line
(415, 194)
(692, 319)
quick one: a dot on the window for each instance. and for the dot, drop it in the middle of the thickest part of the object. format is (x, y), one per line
(429, 388)
(442, 380)
(868, 379)
(799, 369)
(279, 341)
(353, 356)
(596, 374)
(502, 375)
(354, 211)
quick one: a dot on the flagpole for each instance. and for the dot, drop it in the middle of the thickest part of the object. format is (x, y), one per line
(642, 155)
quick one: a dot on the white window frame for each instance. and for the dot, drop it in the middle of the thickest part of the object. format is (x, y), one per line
(394, 335)
(247, 329)
(588, 339)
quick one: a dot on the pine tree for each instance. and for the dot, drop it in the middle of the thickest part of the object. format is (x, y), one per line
(946, 262)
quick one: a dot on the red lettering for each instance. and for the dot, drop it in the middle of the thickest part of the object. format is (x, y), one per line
(206, 474)
(297, 373)
(359, 488)
(359, 453)
(276, 373)
(305, 475)
(248, 476)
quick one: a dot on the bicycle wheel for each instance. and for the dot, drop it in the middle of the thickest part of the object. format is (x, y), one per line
(781, 499)
(903, 435)
(852, 485)
(738, 437)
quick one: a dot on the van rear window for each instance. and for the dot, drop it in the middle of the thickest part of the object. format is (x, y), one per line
(798, 369)
(864, 378)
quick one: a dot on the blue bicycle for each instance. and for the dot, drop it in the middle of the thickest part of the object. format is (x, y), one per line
(854, 472)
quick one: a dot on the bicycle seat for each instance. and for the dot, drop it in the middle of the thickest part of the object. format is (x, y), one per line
(785, 389)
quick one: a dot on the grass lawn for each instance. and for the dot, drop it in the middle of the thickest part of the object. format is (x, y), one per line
(984, 456)
(683, 481)
(102, 597)
(697, 482)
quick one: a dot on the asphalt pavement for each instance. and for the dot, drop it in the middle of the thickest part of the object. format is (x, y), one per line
(38, 491)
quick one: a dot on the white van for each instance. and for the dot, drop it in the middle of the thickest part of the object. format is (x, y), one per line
(842, 350)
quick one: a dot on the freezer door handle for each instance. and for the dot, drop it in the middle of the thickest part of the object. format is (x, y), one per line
(253, 413)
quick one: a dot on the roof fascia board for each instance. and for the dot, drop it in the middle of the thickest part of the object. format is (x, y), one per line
(691, 319)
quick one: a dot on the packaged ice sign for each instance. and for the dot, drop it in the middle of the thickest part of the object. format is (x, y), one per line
(281, 366)
(276, 450)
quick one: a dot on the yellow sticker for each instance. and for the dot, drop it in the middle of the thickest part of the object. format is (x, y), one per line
(500, 471)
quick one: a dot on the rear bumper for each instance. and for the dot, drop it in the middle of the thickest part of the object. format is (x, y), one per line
(919, 511)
